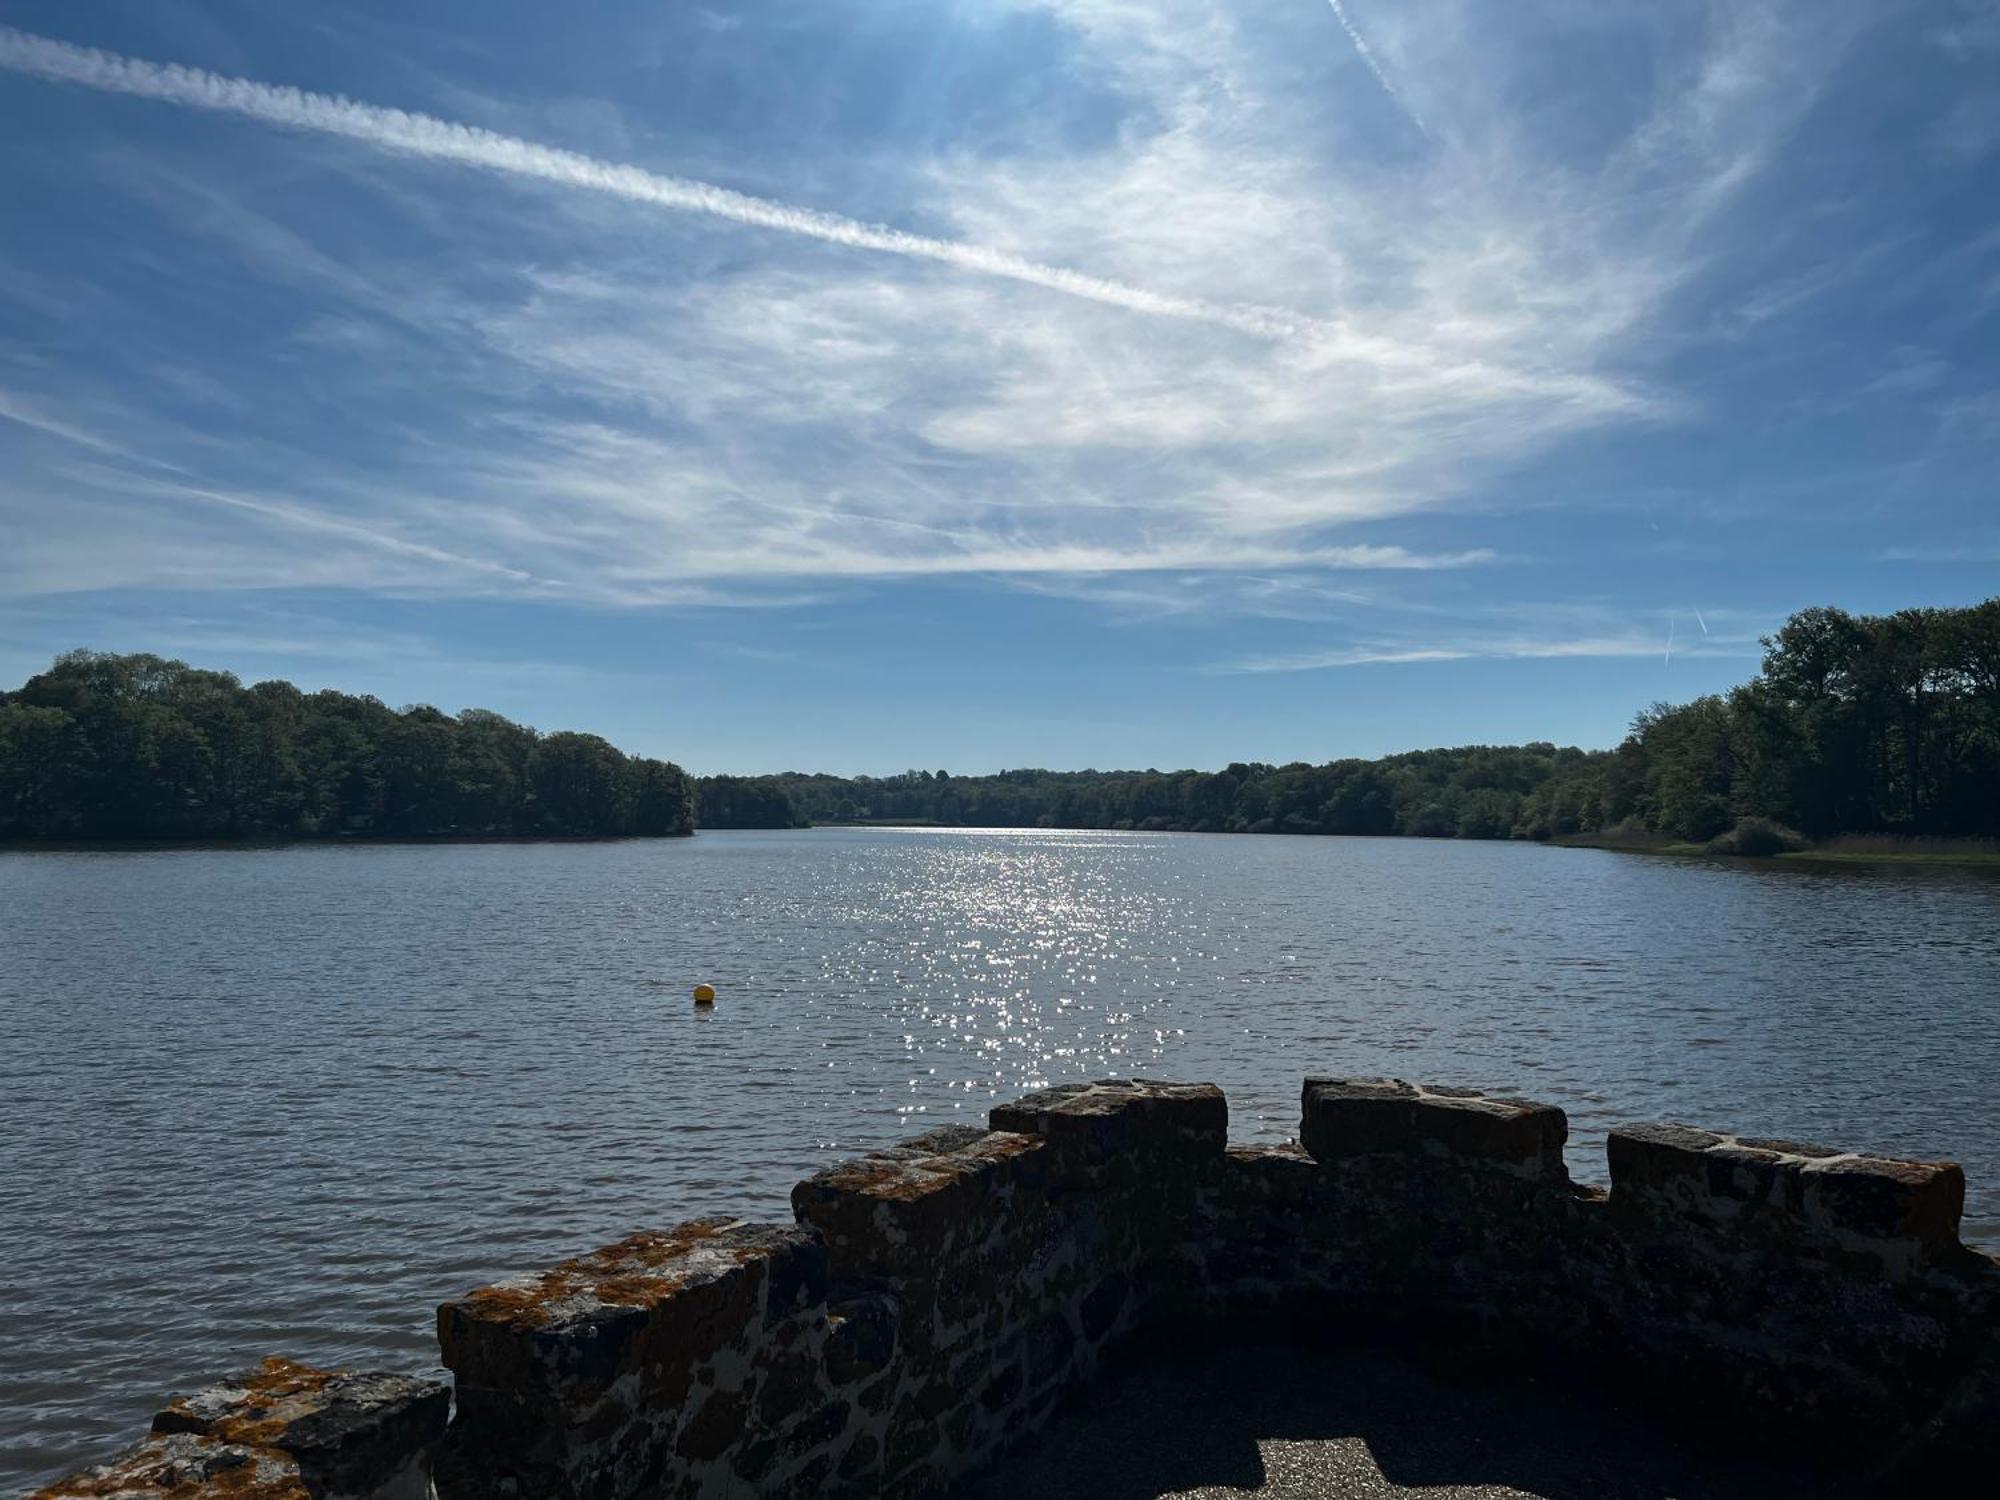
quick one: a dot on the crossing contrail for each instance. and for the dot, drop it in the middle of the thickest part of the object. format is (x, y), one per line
(1368, 57)
(432, 139)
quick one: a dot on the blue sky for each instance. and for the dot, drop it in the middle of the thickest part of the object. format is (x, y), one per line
(856, 384)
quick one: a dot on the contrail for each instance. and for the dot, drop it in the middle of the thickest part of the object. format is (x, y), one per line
(1699, 620)
(442, 140)
(1374, 67)
(1672, 621)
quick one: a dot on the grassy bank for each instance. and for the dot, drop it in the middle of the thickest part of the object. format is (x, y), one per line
(1627, 843)
(1852, 848)
(1933, 851)
(888, 823)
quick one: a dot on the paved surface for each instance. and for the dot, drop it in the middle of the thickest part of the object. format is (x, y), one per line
(1278, 1423)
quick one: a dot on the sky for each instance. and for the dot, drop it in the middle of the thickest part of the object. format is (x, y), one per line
(861, 384)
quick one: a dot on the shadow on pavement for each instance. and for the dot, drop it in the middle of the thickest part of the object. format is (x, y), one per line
(1274, 1421)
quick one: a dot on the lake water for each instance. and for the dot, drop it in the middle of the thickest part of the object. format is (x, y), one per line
(286, 1100)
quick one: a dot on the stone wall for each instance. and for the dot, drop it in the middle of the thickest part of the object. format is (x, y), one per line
(933, 1302)
(284, 1431)
(1765, 1287)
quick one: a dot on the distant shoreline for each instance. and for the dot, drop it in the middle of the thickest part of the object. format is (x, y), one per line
(323, 840)
(1859, 850)
(1856, 850)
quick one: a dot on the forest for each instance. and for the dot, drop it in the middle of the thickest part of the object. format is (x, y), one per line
(135, 747)
(1856, 724)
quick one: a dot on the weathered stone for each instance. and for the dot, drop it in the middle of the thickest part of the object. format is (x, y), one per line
(1780, 1195)
(1877, 1198)
(808, 1483)
(911, 1447)
(1346, 1117)
(1003, 1389)
(819, 1430)
(862, 1459)
(1101, 1306)
(905, 1211)
(754, 1459)
(932, 1399)
(1134, 1121)
(945, 1140)
(350, 1432)
(715, 1427)
(959, 1428)
(578, 1380)
(649, 1271)
(1051, 1345)
(790, 1381)
(861, 1335)
(875, 1396)
(187, 1466)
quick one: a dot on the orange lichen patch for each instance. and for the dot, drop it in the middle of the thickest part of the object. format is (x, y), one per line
(256, 1412)
(896, 1181)
(638, 1271)
(187, 1466)
(899, 1179)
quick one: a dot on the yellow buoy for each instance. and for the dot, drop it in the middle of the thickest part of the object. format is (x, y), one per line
(704, 994)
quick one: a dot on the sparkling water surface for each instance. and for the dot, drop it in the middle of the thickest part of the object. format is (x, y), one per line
(286, 1100)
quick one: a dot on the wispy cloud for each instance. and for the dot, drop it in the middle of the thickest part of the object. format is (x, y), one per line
(306, 518)
(572, 399)
(1963, 552)
(467, 145)
(1362, 51)
(1495, 649)
(25, 413)
(1520, 633)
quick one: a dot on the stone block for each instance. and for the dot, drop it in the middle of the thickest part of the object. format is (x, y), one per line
(1770, 1194)
(1270, 1231)
(284, 1430)
(187, 1466)
(1871, 1197)
(596, 1376)
(1341, 1118)
(906, 1212)
(1135, 1122)
(351, 1433)
(861, 1334)
(661, 1295)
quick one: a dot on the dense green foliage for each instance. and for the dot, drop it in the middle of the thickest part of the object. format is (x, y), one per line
(1856, 725)
(134, 747)
(1479, 792)
(744, 802)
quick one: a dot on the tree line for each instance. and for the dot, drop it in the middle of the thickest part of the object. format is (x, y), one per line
(136, 747)
(1856, 724)
(1481, 791)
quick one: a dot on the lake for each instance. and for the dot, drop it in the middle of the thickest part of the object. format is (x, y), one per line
(288, 1099)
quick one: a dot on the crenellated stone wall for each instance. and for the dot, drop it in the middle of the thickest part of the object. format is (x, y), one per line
(1764, 1286)
(935, 1301)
